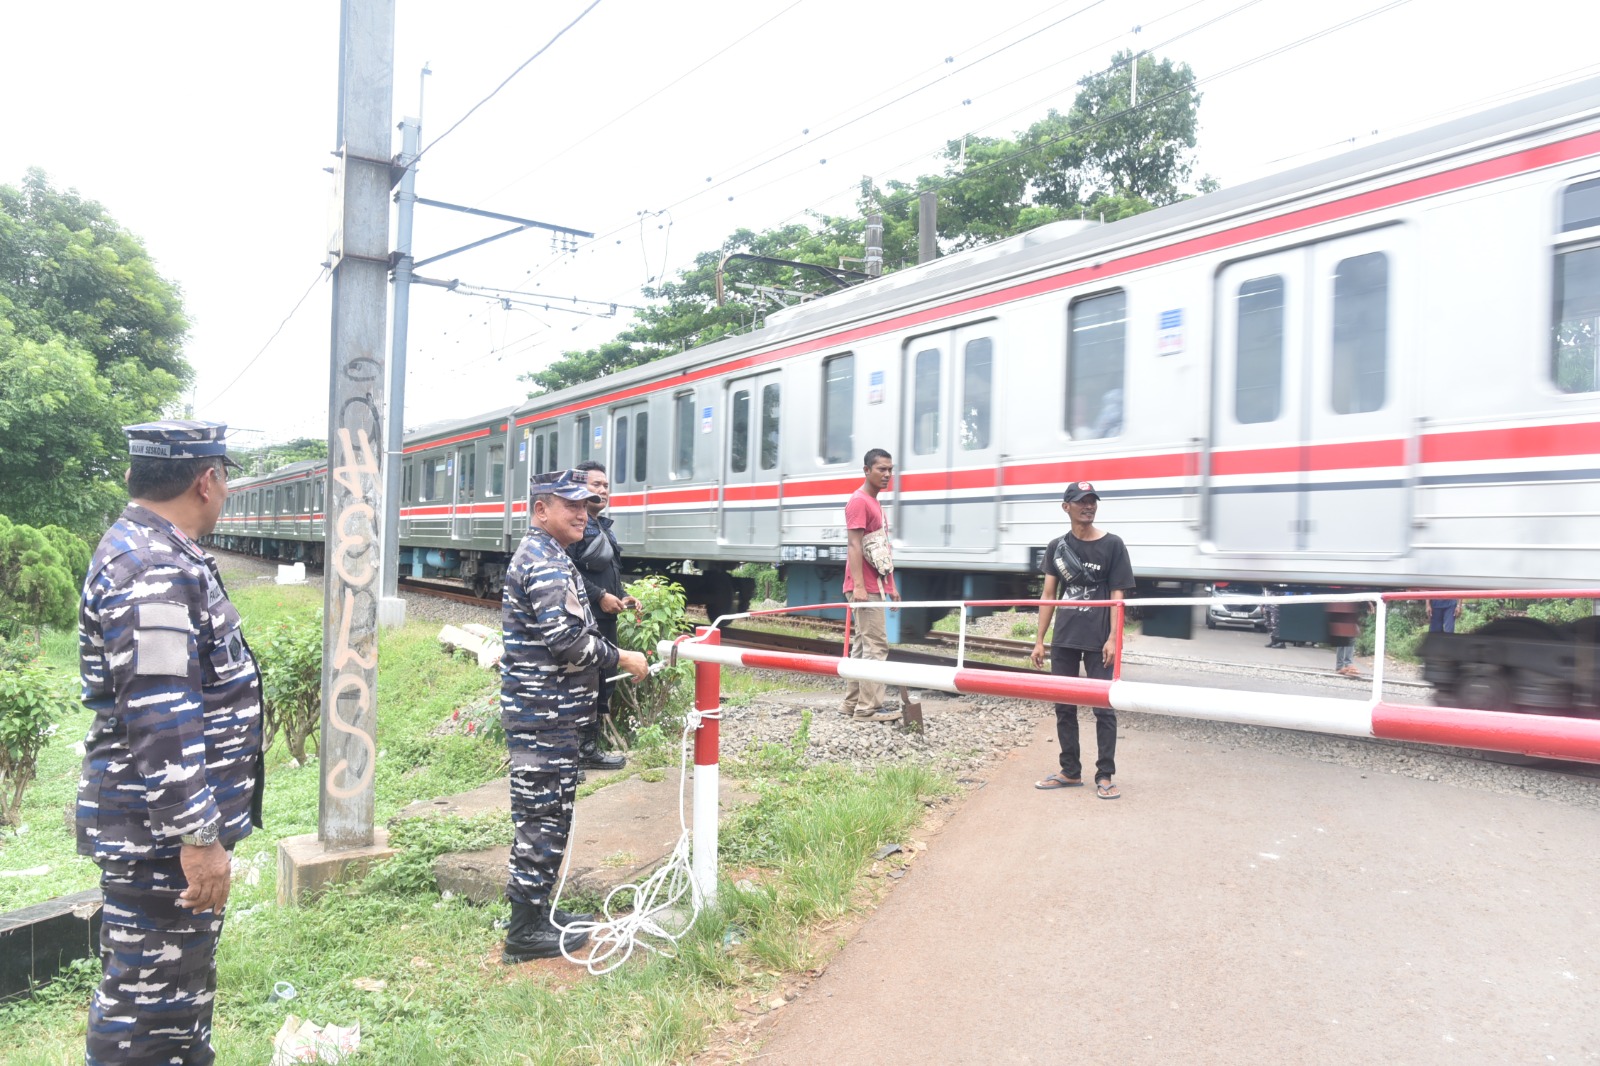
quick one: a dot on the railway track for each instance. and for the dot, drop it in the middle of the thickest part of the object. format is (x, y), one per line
(448, 592)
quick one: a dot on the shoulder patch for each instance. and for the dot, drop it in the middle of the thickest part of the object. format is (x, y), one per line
(161, 653)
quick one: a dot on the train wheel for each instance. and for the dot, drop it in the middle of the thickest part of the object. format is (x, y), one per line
(1483, 691)
(1519, 629)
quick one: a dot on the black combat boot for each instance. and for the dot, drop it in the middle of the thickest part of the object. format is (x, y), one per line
(592, 757)
(531, 936)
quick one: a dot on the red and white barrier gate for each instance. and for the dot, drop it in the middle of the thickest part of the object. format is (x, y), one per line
(1549, 736)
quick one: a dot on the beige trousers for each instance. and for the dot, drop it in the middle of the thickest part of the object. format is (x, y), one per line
(868, 640)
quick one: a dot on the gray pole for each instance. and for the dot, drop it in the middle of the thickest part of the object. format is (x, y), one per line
(874, 254)
(927, 227)
(347, 752)
(392, 608)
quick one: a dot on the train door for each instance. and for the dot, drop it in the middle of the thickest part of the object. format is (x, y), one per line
(1358, 489)
(750, 497)
(630, 468)
(945, 471)
(1257, 413)
(465, 462)
(1309, 443)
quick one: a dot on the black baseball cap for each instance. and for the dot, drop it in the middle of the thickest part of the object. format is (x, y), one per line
(1079, 490)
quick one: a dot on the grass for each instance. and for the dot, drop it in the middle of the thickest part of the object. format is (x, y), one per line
(800, 851)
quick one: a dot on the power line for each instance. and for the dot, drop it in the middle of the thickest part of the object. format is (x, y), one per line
(559, 34)
(320, 274)
(647, 99)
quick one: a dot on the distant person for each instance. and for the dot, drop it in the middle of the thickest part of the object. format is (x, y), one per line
(1271, 611)
(1442, 615)
(599, 561)
(1084, 563)
(1343, 625)
(869, 577)
(549, 683)
(171, 776)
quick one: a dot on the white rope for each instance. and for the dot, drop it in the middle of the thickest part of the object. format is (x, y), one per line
(612, 938)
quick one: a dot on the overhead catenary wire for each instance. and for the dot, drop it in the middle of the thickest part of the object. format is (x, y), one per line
(324, 272)
(521, 67)
(613, 232)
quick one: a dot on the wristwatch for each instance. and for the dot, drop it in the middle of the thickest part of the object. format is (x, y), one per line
(203, 837)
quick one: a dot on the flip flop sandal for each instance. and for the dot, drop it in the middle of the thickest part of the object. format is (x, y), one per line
(1055, 781)
(1106, 790)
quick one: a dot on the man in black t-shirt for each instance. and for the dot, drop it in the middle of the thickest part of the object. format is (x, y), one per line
(1085, 563)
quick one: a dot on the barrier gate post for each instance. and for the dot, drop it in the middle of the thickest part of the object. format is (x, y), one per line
(707, 738)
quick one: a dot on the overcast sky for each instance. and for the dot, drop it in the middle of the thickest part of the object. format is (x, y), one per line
(205, 128)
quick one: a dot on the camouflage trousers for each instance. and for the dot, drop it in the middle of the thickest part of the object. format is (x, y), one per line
(159, 972)
(544, 784)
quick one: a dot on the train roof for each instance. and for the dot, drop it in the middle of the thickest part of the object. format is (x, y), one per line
(280, 474)
(1056, 241)
(449, 426)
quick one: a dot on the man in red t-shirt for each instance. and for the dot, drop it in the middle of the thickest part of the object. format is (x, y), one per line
(869, 576)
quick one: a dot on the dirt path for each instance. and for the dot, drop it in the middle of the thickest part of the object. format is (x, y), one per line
(1233, 907)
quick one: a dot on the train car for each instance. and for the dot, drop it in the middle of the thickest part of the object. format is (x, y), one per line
(1382, 369)
(1376, 370)
(278, 515)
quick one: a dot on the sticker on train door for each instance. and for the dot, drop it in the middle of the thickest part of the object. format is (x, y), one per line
(1169, 338)
(599, 435)
(875, 387)
(705, 420)
(522, 450)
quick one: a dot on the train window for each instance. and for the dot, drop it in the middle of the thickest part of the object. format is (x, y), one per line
(683, 434)
(1096, 353)
(497, 470)
(977, 394)
(770, 402)
(1360, 363)
(407, 482)
(434, 485)
(322, 487)
(582, 448)
(538, 454)
(1258, 362)
(1580, 205)
(619, 468)
(925, 402)
(641, 442)
(838, 408)
(1575, 356)
(300, 499)
(739, 432)
(466, 474)
(555, 450)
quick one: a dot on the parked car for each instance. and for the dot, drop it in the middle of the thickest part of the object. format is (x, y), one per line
(1252, 615)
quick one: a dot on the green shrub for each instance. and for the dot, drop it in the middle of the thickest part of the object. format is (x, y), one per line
(289, 656)
(31, 701)
(770, 584)
(661, 698)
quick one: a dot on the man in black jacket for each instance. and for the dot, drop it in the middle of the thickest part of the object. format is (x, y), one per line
(599, 563)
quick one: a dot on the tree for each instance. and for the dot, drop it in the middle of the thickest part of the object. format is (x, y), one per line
(90, 340)
(36, 581)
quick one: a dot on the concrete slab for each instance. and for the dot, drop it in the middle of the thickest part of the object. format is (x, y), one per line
(620, 834)
(306, 867)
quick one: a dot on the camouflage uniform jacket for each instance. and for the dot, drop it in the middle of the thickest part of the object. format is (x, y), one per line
(176, 738)
(554, 655)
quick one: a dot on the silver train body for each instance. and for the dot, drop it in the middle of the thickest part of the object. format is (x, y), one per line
(1380, 370)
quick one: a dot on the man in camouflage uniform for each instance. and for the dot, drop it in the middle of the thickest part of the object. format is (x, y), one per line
(554, 659)
(171, 776)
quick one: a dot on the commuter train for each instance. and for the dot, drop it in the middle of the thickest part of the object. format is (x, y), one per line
(1378, 370)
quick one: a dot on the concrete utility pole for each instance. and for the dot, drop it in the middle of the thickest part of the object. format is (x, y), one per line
(875, 244)
(392, 607)
(927, 227)
(347, 752)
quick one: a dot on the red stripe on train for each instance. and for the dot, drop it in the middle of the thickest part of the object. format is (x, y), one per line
(1462, 177)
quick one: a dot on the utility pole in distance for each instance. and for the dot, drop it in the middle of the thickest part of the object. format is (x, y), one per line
(392, 607)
